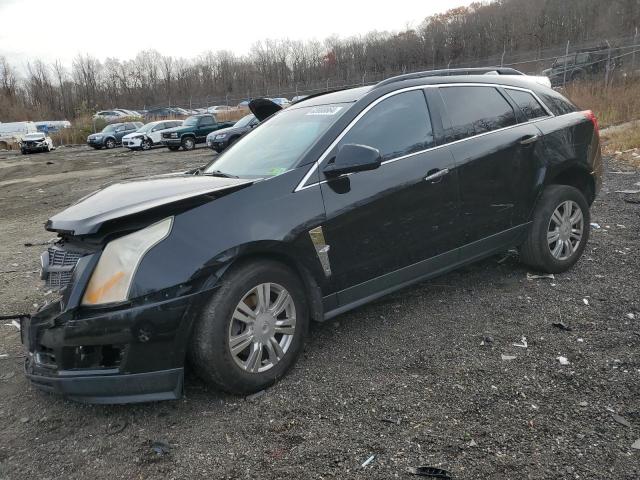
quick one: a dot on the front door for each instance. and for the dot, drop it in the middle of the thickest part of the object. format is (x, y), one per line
(384, 220)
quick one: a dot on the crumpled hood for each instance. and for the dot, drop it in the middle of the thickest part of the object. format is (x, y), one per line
(128, 198)
(129, 136)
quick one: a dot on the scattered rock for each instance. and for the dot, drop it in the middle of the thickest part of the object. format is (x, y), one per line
(621, 420)
(563, 360)
(562, 326)
(508, 357)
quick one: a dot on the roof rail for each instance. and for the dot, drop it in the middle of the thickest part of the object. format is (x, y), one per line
(451, 71)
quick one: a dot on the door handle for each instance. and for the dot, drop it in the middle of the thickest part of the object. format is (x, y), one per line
(529, 139)
(435, 175)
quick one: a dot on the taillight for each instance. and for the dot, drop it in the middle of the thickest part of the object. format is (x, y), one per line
(589, 115)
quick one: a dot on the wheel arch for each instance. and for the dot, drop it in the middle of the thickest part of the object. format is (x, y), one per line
(310, 283)
(577, 177)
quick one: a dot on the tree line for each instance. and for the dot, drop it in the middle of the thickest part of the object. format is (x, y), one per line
(271, 67)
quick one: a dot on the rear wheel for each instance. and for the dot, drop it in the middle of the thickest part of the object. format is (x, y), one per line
(110, 143)
(188, 143)
(559, 232)
(252, 330)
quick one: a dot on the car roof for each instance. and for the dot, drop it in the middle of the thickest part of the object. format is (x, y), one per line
(338, 96)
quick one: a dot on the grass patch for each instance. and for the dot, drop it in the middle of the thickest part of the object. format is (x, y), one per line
(614, 105)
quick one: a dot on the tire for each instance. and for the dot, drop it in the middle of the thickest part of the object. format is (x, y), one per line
(174, 149)
(210, 346)
(109, 143)
(24, 152)
(539, 250)
(145, 145)
(188, 143)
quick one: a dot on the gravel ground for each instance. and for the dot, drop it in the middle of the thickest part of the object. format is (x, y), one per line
(417, 378)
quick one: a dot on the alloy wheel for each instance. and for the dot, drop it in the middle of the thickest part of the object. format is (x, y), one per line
(565, 231)
(262, 328)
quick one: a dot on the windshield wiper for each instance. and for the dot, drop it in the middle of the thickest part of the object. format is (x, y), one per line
(218, 173)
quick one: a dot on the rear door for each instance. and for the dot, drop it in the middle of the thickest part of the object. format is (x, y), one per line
(384, 220)
(497, 153)
(156, 132)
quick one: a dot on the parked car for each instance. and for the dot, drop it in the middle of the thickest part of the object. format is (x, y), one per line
(218, 109)
(243, 104)
(220, 139)
(36, 142)
(163, 112)
(111, 135)
(581, 64)
(109, 115)
(280, 101)
(129, 113)
(329, 204)
(194, 130)
(148, 135)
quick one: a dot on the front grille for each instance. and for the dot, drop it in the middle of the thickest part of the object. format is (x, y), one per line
(58, 265)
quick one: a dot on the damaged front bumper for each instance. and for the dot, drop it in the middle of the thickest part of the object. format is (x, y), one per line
(124, 355)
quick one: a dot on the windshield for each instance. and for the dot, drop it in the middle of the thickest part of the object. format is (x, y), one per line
(34, 136)
(146, 128)
(244, 121)
(278, 144)
(190, 122)
(109, 128)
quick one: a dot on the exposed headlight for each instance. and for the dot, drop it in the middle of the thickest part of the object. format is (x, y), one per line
(174, 135)
(111, 279)
(98, 137)
(221, 136)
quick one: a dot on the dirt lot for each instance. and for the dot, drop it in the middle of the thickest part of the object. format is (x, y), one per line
(414, 379)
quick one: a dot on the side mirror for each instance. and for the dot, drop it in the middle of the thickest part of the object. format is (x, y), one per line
(353, 158)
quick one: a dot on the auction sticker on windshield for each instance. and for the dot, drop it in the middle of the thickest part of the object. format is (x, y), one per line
(324, 110)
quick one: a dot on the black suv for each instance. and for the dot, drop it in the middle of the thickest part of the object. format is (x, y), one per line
(111, 135)
(331, 203)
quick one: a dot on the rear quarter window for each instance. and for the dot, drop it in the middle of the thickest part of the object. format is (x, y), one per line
(527, 103)
(555, 102)
(475, 110)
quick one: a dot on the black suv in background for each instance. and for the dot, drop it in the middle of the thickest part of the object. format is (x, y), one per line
(223, 138)
(331, 203)
(111, 135)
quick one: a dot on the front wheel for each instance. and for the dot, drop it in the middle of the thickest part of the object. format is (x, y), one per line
(559, 231)
(188, 143)
(252, 330)
(110, 143)
(146, 144)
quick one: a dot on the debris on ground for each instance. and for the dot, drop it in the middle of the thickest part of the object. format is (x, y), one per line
(531, 276)
(584, 404)
(368, 461)
(631, 316)
(595, 225)
(116, 427)
(620, 419)
(563, 360)
(396, 421)
(562, 326)
(486, 340)
(160, 448)
(522, 344)
(432, 472)
(508, 357)
(629, 192)
(585, 301)
(636, 445)
(473, 443)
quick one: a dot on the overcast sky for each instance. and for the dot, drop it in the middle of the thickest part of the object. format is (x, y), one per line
(60, 29)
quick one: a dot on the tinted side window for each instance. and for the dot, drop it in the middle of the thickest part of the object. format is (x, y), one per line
(396, 126)
(556, 102)
(206, 121)
(527, 103)
(474, 110)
